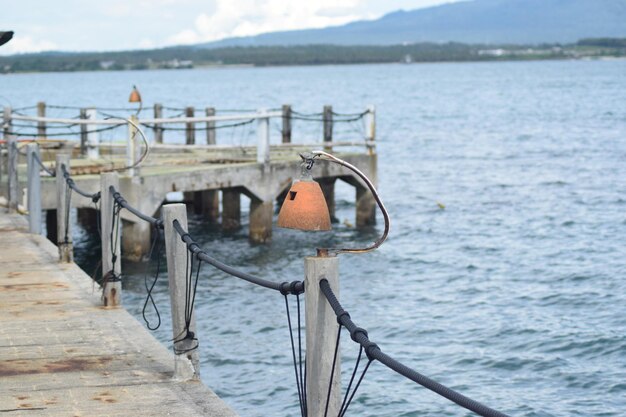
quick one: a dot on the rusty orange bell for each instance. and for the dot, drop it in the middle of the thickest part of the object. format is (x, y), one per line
(305, 208)
(135, 97)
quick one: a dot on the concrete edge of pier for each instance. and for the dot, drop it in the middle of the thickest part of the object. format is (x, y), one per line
(62, 353)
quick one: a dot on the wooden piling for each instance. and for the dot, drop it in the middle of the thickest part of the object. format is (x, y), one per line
(64, 229)
(190, 132)
(34, 189)
(12, 173)
(41, 126)
(187, 363)
(321, 333)
(158, 129)
(6, 122)
(210, 127)
(110, 236)
(328, 127)
(286, 123)
(83, 133)
(132, 144)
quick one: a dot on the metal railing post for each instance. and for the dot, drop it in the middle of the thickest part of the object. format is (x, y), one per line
(321, 333)
(186, 360)
(111, 238)
(34, 189)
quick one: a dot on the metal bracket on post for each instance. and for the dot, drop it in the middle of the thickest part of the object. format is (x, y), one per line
(321, 331)
(186, 359)
(110, 237)
(263, 130)
(34, 189)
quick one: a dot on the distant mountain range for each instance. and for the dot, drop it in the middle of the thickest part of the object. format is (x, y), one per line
(477, 21)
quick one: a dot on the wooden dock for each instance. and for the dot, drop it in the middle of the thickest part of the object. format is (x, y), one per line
(63, 354)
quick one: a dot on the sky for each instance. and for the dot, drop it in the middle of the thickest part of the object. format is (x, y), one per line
(105, 25)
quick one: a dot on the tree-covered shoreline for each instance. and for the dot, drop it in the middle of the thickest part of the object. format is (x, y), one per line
(189, 57)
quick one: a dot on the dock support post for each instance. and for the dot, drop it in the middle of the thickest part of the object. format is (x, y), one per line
(187, 362)
(41, 126)
(110, 239)
(365, 203)
(286, 123)
(131, 147)
(64, 229)
(190, 132)
(328, 127)
(33, 190)
(261, 216)
(93, 137)
(263, 132)
(321, 334)
(158, 130)
(370, 128)
(136, 238)
(12, 173)
(231, 209)
(207, 203)
(51, 225)
(210, 127)
(83, 133)
(328, 189)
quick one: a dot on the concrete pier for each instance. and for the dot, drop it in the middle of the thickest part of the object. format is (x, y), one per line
(63, 354)
(202, 173)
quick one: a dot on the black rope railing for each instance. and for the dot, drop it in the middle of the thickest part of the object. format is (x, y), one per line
(373, 352)
(158, 223)
(217, 127)
(95, 197)
(294, 287)
(68, 133)
(45, 168)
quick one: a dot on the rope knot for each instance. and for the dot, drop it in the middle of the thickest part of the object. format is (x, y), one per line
(341, 314)
(284, 288)
(356, 331)
(369, 347)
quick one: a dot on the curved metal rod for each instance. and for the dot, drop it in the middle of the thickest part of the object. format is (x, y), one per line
(328, 157)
